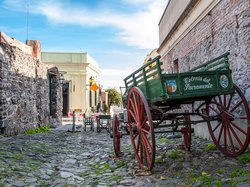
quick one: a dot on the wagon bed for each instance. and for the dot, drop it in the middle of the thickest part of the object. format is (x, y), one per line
(210, 79)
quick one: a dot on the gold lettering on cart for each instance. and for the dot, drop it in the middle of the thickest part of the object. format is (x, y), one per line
(196, 83)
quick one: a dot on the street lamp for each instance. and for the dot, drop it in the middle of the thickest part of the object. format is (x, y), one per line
(61, 78)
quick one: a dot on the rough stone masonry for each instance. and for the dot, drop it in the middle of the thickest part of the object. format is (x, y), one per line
(30, 90)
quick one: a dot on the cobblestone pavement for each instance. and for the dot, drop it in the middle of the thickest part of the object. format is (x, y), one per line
(60, 158)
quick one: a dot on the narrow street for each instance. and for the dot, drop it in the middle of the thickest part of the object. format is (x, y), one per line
(61, 158)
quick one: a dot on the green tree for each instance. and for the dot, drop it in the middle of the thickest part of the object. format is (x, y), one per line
(114, 98)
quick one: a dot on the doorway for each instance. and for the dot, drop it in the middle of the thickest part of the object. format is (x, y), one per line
(65, 93)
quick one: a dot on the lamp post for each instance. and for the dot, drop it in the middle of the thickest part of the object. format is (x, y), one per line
(91, 80)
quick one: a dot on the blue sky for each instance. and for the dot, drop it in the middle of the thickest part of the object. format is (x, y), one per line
(118, 34)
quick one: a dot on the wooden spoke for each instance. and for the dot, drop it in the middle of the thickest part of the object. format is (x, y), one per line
(133, 115)
(225, 138)
(216, 127)
(220, 100)
(133, 107)
(243, 117)
(142, 112)
(145, 131)
(135, 136)
(214, 110)
(236, 106)
(238, 128)
(135, 104)
(217, 104)
(229, 102)
(147, 147)
(220, 134)
(225, 100)
(144, 122)
(236, 136)
(230, 140)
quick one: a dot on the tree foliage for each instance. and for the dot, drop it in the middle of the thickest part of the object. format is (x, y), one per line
(114, 97)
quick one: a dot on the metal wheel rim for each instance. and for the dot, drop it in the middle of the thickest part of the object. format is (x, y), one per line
(227, 128)
(139, 117)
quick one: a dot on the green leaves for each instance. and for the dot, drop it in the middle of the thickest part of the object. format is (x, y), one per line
(245, 157)
(37, 130)
(210, 147)
(114, 97)
(175, 154)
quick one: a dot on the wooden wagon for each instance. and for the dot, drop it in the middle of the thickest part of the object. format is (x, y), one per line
(151, 97)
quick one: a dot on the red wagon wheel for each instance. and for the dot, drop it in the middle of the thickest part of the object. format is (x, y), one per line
(141, 129)
(187, 132)
(117, 134)
(231, 133)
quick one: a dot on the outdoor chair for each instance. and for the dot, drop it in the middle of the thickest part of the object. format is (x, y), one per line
(89, 121)
(103, 122)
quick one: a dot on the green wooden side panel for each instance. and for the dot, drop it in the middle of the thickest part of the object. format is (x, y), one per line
(143, 89)
(148, 78)
(156, 89)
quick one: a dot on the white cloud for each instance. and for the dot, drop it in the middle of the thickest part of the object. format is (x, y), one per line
(114, 77)
(138, 29)
(137, 2)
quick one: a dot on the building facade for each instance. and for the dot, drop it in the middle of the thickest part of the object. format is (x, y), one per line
(192, 32)
(153, 54)
(80, 72)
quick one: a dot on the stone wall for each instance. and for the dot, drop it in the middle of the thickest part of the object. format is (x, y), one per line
(55, 95)
(225, 29)
(24, 92)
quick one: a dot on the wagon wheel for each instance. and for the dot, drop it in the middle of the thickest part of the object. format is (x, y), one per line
(187, 132)
(141, 129)
(231, 133)
(117, 134)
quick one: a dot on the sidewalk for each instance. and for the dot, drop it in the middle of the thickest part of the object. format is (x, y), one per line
(67, 124)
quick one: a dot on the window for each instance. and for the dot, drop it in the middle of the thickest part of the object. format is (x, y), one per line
(176, 66)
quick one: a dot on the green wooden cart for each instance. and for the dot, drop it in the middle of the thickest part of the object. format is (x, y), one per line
(152, 97)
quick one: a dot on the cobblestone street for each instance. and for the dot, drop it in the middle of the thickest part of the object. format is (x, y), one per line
(61, 158)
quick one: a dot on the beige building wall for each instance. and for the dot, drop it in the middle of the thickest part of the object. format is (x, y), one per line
(179, 18)
(77, 68)
(92, 73)
(153, 54)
